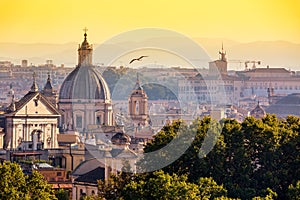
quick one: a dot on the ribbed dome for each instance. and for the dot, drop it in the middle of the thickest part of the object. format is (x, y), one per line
(258, 111)
(120, 138)
(84, 82)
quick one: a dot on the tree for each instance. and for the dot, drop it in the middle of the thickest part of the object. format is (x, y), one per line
(15, 185)
(294, 191)
(38, 187)
(158, 185)
(269, 196)
(255, 159)
(162, 186)
(209, 189)
(247, 157)
(13, 182)
(62, 194)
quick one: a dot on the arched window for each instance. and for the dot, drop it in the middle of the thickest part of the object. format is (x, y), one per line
(78, 121)
(137, 107)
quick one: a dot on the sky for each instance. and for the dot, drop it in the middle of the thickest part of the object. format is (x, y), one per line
(62, 21)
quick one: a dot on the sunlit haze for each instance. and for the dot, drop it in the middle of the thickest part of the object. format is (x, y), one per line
(35, 21)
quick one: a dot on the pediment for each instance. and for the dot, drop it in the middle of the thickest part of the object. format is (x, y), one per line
(35, 105)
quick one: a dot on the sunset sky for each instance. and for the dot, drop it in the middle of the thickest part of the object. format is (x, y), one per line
(61, 21)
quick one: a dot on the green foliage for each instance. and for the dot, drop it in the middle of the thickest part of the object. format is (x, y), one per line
(209, 189)
(269, 196)
(113, 188)
(158, 185)
(15, 185)
(62, 194)
(38, 187)
(13, 182)
(94, 197)
(294, 191)
(247, 157)
(255, 159)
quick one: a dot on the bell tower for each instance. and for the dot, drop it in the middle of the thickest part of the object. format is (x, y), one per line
(138, 105)
(220, 65)
(85, 52)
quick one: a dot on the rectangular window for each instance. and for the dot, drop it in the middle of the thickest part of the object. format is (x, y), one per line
(98, 120)
(78, 121)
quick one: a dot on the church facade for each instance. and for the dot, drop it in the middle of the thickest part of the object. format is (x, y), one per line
(31, 123)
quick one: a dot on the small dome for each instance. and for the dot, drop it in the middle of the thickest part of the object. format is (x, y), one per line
(84, 82)
(258, 112)
(120, 138)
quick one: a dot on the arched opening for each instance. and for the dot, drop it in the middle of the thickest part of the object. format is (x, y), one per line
(36, 138)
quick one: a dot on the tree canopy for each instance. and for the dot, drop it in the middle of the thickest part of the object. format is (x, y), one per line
(249, 158)
(15, 185)
(254, 159)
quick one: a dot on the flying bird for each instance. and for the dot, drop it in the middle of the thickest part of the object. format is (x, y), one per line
(137, 59)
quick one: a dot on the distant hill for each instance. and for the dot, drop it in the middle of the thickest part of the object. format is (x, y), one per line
(272, 53)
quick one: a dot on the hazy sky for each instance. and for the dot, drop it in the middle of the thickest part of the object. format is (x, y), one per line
(61, 21)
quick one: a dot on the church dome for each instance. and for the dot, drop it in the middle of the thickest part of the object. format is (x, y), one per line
(120, 138)
(258, 112)
(84, 82)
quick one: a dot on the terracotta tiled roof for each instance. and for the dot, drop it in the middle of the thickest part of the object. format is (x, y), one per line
(268, 70)
(288, 105)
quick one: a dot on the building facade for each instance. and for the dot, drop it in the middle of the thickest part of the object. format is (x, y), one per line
(31, 123)
(218, 87)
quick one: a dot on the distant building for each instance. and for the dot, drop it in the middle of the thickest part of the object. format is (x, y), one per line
(24, 63)
(288, 105)
(58, 178)
(104, 160)
(218, 87)
(7, 64)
